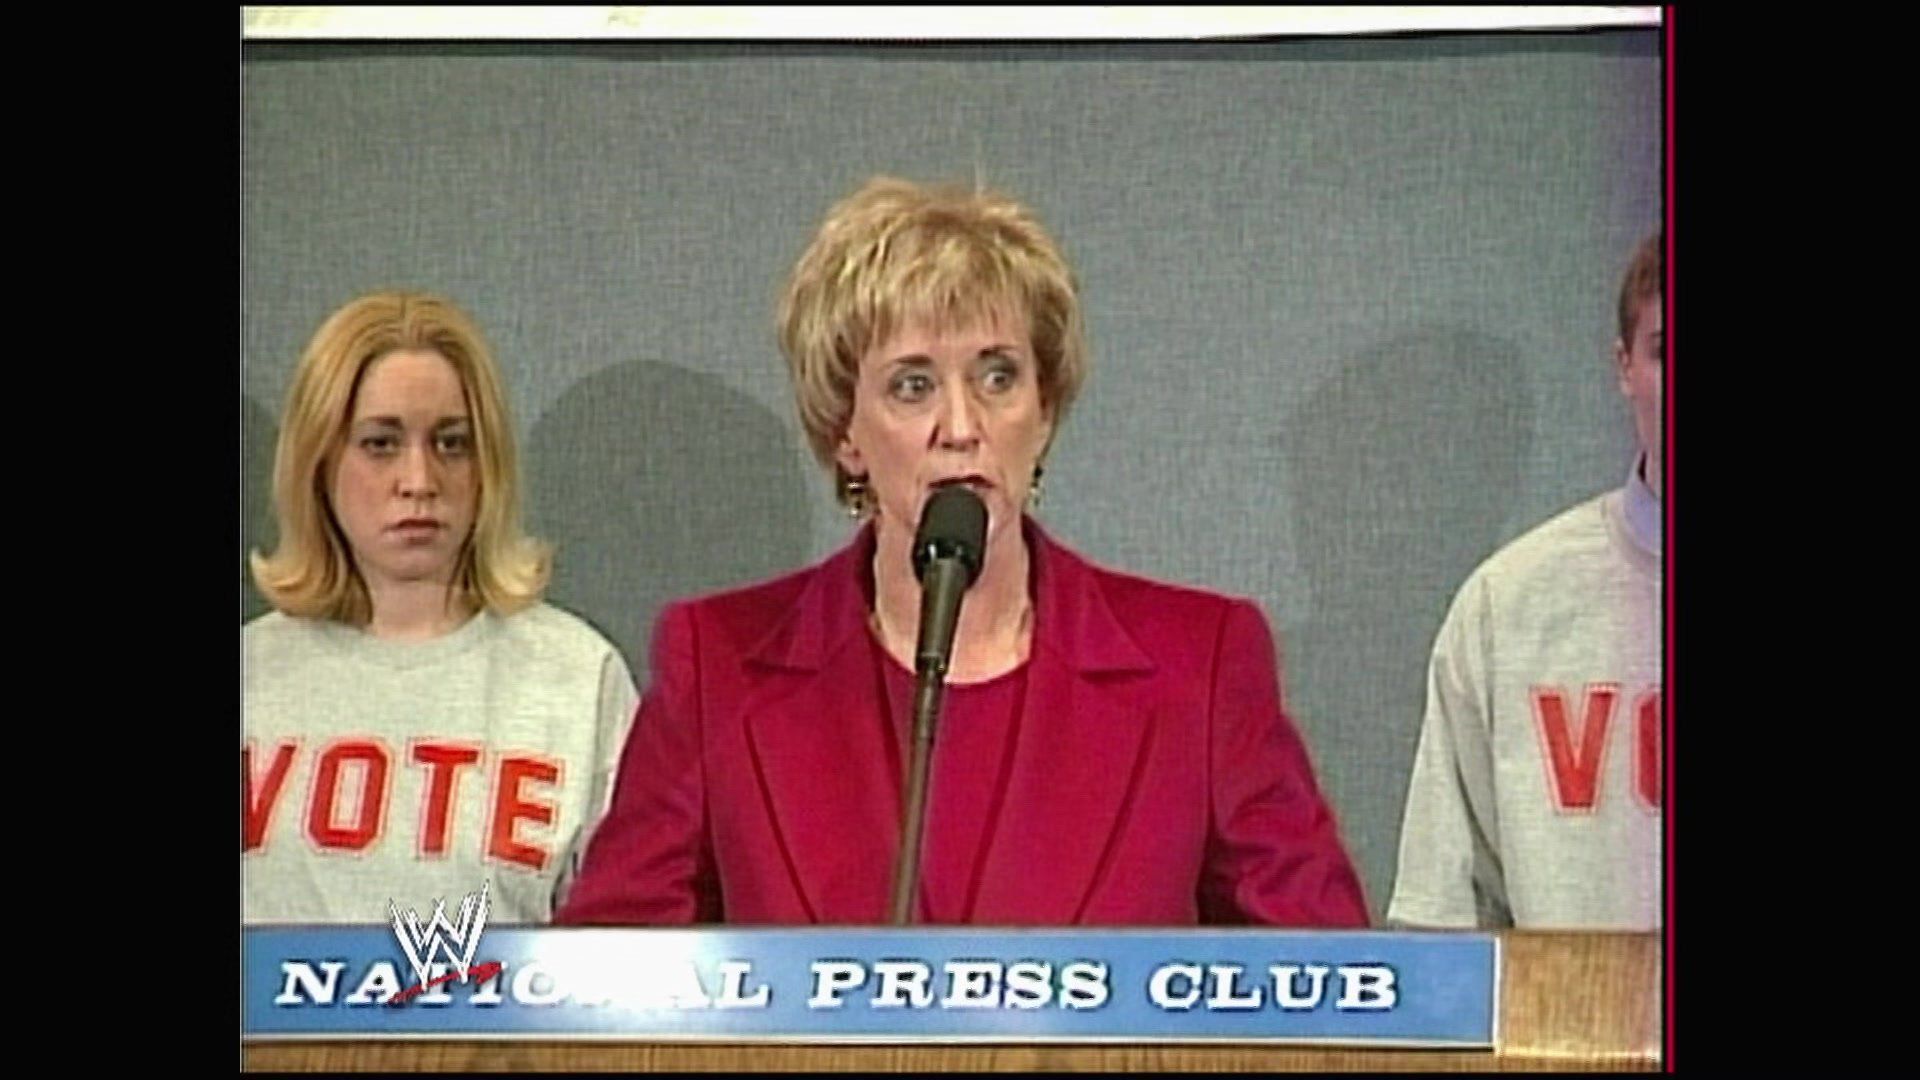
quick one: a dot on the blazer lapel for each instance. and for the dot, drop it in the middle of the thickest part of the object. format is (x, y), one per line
(1085, 732)
(821, 748)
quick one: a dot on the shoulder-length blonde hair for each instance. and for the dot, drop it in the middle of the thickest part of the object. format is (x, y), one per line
(312, 572)
(895, 253)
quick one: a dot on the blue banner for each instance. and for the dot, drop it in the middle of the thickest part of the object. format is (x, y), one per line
(910, 985)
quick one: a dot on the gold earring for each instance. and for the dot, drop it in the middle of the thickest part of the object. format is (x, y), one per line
(854, 495)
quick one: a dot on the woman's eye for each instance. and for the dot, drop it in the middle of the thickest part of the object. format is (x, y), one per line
(454, 443)
(910, 386)
(1001, 377)
(379, 444)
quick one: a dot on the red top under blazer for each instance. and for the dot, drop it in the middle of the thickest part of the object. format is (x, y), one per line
(1154, 779)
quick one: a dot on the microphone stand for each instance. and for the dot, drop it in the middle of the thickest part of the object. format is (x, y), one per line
(946, 580)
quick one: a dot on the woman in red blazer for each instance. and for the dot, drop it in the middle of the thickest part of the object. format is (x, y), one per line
(1111, 751)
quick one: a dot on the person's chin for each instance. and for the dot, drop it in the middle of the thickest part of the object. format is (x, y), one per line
(418, 566)
(1003, 518)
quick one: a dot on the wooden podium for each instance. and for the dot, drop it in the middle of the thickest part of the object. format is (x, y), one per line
(1569, 1002)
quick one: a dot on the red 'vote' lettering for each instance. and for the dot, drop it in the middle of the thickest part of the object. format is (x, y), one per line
(355, 771)
(1575, 766)
(445, 763)
(257, 800)
(509, 807)
(321, 823)
(1576, 760)
(1646, 763)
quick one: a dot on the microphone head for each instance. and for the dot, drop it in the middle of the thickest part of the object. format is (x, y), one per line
(953, 525)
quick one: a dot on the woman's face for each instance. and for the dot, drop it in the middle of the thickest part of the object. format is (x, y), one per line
(963, 407)
(405, 485)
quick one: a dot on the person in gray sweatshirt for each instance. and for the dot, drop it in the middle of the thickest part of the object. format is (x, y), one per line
(417, 724)
(1536, 794)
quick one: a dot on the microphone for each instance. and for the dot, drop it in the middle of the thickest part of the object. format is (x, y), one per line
(947, 552)
(948, 549)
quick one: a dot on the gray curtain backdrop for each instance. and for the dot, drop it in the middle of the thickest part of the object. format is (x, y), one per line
(1350, 303)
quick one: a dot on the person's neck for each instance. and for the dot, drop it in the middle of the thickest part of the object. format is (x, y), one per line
(995, 630)
(1650, 474)
(415, 610)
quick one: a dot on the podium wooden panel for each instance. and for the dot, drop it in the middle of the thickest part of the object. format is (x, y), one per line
(1574, 1002)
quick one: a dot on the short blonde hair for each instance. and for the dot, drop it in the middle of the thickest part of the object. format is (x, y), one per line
(312, 572)
(1645, 279)
(896, 254)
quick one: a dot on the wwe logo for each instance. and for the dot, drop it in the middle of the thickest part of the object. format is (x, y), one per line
(441, 935)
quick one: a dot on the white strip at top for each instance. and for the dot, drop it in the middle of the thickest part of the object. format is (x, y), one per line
(845, 23)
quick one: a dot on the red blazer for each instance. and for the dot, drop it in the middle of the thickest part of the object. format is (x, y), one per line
(1155, 779)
